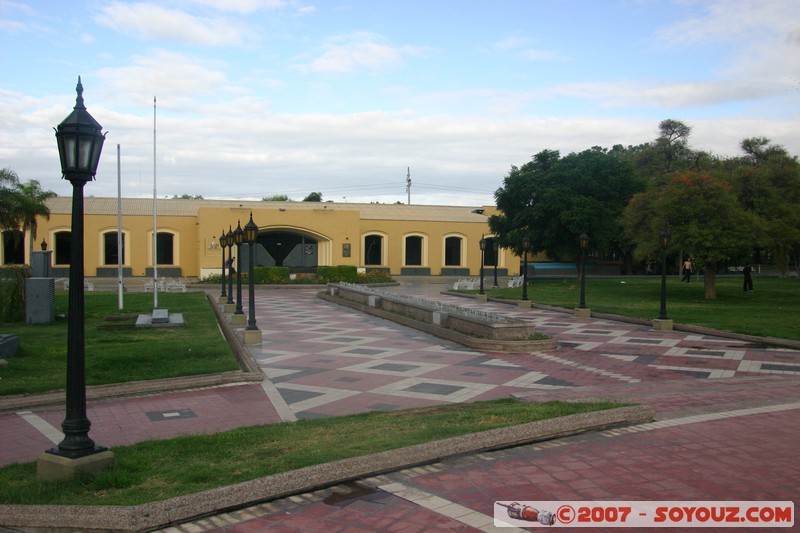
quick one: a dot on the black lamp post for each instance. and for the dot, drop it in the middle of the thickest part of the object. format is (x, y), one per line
(223, 244)
(238, 238)
(663, 241)
(583, 240)
(526, 245)
(229, 239)
(80, 142)
(250, 235)
(495, 247)
(482, 244)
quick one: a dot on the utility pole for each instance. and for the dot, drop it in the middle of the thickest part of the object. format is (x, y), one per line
(408, 185)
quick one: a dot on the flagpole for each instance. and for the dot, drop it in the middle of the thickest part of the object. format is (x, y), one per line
(155, 215)
(120, 247)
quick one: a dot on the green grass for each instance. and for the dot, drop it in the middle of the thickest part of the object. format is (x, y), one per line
(157, 470)
(771, 310)
(115, 351)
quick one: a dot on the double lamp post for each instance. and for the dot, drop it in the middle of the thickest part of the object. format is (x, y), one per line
(238, 237)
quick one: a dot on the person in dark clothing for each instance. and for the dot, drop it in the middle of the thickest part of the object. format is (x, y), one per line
(229, 265)
(748, 278)
(687, 270)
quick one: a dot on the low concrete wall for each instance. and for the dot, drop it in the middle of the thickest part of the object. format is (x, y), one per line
(510, 335)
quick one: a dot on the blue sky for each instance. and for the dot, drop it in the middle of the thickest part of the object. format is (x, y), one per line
(264, 97)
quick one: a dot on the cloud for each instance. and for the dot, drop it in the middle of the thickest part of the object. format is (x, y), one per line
(177, 78)
(153, 22)
(358, 51)
(242, 6)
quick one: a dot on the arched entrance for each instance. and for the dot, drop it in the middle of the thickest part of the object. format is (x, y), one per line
(296, 250)
(290, 249)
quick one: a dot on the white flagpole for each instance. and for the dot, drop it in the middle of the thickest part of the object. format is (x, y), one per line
(120, 247)
(155, 215)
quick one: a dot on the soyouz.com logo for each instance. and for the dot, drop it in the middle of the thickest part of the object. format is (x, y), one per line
(643, 514)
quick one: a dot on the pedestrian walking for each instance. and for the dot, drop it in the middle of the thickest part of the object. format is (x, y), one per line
(748, 278)
(687, 270)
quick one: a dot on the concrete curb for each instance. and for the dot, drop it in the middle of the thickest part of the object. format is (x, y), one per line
(161, 514)
(251, 373)
(770, 341)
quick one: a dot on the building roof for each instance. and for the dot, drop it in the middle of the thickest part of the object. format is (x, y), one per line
(190, 207)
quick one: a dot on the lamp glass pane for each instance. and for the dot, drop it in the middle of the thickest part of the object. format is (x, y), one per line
(69, 151)
(84, 152)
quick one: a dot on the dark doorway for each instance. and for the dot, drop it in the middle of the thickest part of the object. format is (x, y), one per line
(13, 247)
(288, 249)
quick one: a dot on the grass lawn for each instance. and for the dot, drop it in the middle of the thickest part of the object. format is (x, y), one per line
(771, 310)
(115, 350)
(162, 469)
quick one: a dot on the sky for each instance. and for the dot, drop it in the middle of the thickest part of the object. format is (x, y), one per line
(246, 99)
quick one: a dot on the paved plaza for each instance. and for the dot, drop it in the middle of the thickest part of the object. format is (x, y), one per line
(727, 415)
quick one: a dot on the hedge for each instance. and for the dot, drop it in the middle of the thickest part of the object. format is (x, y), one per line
(12, 292)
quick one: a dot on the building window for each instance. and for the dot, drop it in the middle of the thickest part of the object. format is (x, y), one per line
(13, 247)
(62, 248)
(452, 251)
(165, 249)
(490, 256)
(373, 250)
(414, 250)
(110, 252)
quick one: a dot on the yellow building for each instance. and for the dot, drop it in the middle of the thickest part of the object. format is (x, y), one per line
(400, 239)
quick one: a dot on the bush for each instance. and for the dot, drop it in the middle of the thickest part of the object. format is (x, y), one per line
(375, 276)
(12, 292)
(271, 275)
(334, 274)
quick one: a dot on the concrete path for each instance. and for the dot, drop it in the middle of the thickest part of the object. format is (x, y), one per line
(727, 409)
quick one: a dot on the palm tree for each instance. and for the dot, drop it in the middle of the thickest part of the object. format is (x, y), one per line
(9, 199)
(32, 204)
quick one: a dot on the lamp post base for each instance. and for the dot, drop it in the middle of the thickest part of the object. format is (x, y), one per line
(583, 312)
(251, 336)
(481, 298)
(662, 324)
(524, 304)
(54, 467)
(228, 308)
(222, 299)
(238, 320)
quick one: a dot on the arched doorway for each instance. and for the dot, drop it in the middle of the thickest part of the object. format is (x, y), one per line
(293, 249)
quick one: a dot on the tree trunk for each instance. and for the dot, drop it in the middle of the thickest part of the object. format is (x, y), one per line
(710, 282)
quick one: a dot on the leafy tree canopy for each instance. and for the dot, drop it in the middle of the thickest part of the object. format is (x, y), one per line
(552, 200)
(704, 217)
(276, 198)
(313, 197)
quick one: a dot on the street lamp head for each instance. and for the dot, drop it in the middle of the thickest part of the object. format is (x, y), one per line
(584, 241)
(482, 243)
(238, 233)
(664, 238)
(80, 142)
(222, 239)
(251, 230)
(229, 237)
(526, 244)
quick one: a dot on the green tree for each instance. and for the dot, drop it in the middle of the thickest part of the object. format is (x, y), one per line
(276, 198)
(32, 204)
(552, 200)
(704, 218)
(9, 199)
(768, 184)
(313, 197)
(187, 197)
(672, 144)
